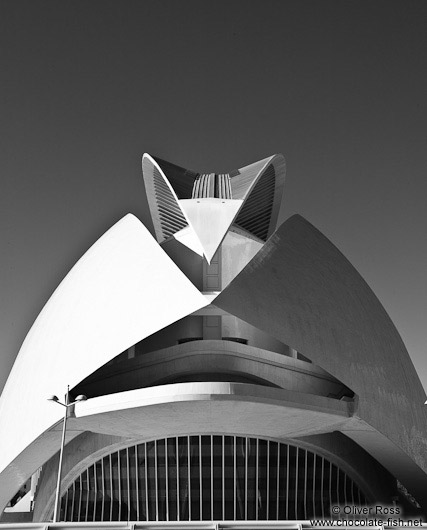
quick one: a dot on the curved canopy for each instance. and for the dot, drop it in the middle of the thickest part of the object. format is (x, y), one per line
(211, 407)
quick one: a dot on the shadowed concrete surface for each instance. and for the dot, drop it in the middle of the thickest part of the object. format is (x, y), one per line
(303, 291)
(210, 358)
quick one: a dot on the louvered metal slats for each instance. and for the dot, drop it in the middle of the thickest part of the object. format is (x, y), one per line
(255, 215)
(211, 185)
(170, 215)
(209, 477)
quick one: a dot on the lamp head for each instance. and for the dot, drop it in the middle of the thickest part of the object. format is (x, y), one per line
(53, 398)
(80, 397)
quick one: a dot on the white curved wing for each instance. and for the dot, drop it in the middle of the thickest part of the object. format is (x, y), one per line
(122, 290)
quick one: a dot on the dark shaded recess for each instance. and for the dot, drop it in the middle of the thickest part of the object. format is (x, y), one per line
(235, 339)
(207, 377)
(255, 214)
(181, 179)
(299, 288)
(189, 339)
(234, 173)
(116, 379)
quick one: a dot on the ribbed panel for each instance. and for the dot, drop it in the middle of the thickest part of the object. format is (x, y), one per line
(256, 213)
(209, 477)
(241, 183)
(224, 186)
(210, 185)
(204, 186)
(170, 215)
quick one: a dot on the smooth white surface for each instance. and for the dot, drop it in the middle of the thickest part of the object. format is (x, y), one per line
(187, 237)
(122, 290)
(23, 505)
(210, 220)
(214, 407)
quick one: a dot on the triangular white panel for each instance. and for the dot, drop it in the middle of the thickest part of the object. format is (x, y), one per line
(210, 219)
(122, 290)
(187, 237)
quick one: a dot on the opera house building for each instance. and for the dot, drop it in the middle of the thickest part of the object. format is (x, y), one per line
(234, 369)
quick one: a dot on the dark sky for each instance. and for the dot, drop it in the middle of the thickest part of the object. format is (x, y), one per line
(338, 87)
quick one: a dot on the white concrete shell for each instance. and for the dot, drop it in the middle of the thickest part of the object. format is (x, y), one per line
(122, 290)
(300, 289)
(297, 289)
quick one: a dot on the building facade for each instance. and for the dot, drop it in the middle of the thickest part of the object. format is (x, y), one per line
(236, 370)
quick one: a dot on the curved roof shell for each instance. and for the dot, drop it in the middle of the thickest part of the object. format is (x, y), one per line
(123, 289)
(300, 289)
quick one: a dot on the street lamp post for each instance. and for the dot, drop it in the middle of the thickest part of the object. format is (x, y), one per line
(67, 406)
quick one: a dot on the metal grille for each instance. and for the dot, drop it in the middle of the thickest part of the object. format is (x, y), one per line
(209, 477)
(170, 215)
(211, 185)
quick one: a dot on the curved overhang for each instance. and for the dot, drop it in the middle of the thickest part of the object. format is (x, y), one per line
(122, 290)
(209, 407)
(300, 289)
(200, 357)
(188, 408)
